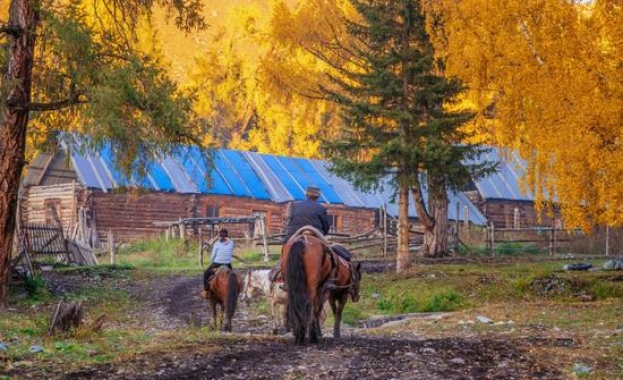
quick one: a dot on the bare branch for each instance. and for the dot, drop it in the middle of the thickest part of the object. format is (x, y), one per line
(528, 37)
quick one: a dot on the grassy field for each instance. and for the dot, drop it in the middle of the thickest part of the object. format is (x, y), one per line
(574, 318)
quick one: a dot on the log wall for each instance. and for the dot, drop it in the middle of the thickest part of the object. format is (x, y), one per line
(66, 198)
(130, 215)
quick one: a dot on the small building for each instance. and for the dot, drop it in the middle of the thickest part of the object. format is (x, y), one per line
(87, 189)
(500, 197)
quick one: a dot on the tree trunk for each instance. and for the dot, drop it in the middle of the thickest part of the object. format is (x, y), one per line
(13, 124)
(403, 261)
(435, 235)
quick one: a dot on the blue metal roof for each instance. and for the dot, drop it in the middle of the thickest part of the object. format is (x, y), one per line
(505, 183)
(247, 174)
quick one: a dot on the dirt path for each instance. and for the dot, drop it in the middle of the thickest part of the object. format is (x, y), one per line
(251, 353)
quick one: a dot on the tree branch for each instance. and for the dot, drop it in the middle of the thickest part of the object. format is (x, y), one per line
(12, 30)
(49, 106)
(52, 106)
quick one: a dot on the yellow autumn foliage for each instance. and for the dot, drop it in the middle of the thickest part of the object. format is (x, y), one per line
(547, 77)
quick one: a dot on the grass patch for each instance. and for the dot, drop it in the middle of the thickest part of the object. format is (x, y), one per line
(436, 301)
(502, 249)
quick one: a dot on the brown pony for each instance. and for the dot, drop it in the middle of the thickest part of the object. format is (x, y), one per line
(224, 288)
(347, 279)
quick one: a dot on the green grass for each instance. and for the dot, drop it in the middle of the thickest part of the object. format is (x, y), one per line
(175, 255)
(502, 249)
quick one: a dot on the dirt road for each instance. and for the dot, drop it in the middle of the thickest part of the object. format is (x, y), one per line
(252, 353)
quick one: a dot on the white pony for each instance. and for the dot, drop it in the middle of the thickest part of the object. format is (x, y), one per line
(257, 282)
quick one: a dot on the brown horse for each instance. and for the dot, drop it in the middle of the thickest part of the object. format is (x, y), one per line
(306, 265)
(224, 289)
(347, 279)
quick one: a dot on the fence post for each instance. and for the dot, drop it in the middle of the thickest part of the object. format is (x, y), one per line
(182, 229)
(607, 241)
(111, 246)
(492, 232)
(200, 246)
(552, 242)
(264, 239)
(384, 221)
(458, 224)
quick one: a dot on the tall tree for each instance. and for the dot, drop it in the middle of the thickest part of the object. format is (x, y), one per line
(78, 65)
(397, 121)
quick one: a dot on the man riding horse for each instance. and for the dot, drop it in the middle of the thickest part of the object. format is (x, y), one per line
(311, 213)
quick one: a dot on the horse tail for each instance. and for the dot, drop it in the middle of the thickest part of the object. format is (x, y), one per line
(299, 304)
(232, 295)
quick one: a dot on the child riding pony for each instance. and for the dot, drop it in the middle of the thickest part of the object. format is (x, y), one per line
(223, 289)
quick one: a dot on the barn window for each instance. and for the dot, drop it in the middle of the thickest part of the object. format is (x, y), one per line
(213, 211)
(260, 224)
(52, 208)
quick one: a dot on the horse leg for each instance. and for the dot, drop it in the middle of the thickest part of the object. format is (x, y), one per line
(214, 315)
(314, 326)
(274, 314)
(337, 313)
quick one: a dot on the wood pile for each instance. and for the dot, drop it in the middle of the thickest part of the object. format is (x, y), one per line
(84, 231)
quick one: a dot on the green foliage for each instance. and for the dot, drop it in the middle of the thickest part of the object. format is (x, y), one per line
(35, 286)
(402, 302)
(605, 289)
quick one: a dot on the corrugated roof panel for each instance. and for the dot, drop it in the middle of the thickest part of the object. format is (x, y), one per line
(292, 187)
(317, 179)
(85, 172)
(247, 174)
(179, 177)
(196, 169)
(159, 176)
(105, 168)
(475, 216)
(228, 171)
(297, 175)
(347, 193)
(504, 183)
(269, 178)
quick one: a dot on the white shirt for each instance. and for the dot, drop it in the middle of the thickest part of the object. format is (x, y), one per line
(222, 252)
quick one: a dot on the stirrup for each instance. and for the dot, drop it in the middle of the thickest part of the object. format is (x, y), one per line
(330, 284)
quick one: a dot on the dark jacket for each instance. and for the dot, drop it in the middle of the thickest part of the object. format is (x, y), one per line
(307, 213)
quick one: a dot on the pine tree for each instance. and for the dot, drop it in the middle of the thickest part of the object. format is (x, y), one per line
(394, 101)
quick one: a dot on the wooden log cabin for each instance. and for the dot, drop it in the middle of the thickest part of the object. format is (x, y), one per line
(501, 198)
(88, 188)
